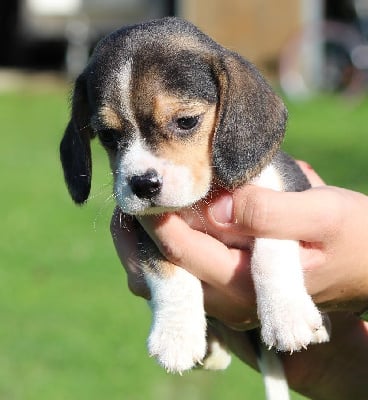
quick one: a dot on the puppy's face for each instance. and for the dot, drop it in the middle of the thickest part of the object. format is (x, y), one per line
(157, 129)
(175, 112)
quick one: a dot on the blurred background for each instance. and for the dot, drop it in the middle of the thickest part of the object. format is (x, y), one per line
(307, 44)
(70, 327)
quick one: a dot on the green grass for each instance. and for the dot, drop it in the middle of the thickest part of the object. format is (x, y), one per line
(70, 329)
(332, 135)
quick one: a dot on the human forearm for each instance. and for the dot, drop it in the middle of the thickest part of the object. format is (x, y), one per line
(336, 370)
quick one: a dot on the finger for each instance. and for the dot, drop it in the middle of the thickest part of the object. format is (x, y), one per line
(310, 215)
(237, 314)
(203, 256)
(123, 231)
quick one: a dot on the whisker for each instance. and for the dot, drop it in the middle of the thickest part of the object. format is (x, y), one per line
(110, 199)
(196, 209)
(106, 204)
(84, 127)
(101, 191)
(207, 201)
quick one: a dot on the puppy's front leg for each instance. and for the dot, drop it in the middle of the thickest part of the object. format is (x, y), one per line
(289, 318)
(178, 333)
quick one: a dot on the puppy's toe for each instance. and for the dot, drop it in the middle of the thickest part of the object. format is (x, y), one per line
(322, 334)
(217, 357)
(293, 326)
(178, 349)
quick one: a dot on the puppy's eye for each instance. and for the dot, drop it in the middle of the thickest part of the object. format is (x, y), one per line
(187, 123)
(109, 138)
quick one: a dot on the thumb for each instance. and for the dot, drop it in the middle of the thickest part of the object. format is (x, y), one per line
(263, 212)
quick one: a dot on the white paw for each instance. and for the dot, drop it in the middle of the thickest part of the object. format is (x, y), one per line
(322, 335)
(178, 334)
(178, 346)
(217, 358)
(293, 325)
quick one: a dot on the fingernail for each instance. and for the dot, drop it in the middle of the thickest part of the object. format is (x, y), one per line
(222, 210)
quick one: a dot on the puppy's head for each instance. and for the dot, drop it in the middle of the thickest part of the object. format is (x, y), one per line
(175, 112)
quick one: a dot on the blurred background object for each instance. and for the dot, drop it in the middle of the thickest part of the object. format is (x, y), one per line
(328, 54)
(292, 41)
(257, 29)
(54, 34)
(307, 46)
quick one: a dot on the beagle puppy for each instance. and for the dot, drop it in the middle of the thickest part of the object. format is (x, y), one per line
(179, 115)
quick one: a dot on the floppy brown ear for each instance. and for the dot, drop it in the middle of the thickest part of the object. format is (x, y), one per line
(251, 122)
(75, 149)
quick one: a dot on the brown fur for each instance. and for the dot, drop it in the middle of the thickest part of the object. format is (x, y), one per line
(109, 118)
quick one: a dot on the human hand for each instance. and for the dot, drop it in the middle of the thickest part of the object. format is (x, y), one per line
(335, 370)
(331, 225)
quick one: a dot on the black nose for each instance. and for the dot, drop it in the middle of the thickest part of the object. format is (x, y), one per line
(147, 185)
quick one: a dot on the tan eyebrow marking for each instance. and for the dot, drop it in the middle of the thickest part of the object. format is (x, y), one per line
(106, 117)
(166, 106)
(110, 117)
